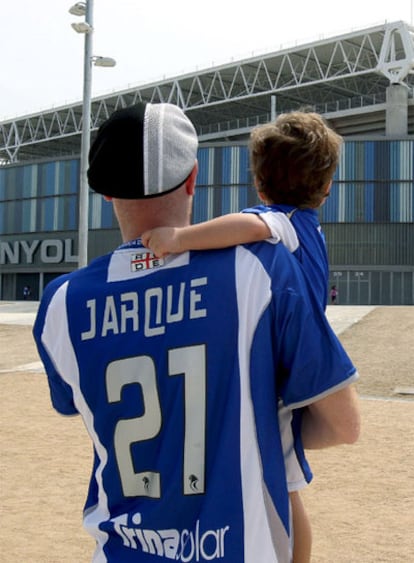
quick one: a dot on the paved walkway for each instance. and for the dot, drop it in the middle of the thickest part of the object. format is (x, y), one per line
(18, 312)
(342, 317)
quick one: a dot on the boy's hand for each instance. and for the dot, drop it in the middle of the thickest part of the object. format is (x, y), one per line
(162, 241)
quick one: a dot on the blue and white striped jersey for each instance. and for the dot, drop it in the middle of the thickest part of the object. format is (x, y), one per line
(306, 240)
(301, 233)
(176, 367)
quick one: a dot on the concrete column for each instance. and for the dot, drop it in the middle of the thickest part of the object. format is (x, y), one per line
(396, 118)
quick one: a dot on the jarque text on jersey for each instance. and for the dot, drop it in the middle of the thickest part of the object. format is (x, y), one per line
(150, 311)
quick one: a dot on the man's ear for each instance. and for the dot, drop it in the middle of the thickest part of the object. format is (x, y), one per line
(191, 180)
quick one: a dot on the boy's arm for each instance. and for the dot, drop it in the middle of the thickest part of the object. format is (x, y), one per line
(227, 230)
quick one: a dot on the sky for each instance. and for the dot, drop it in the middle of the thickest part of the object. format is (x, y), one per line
(42, 56)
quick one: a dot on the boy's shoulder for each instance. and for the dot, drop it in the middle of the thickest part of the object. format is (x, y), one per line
(306, 213)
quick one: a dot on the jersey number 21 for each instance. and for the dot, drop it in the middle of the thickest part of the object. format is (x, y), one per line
(189, 362)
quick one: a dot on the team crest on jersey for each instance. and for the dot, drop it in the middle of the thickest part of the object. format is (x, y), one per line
(145, 261)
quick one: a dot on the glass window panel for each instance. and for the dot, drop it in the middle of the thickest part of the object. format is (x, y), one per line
(51, 215)
(47, 213)
(59, 223)
(10, 188)
(3, 174)
(408, 288)
(225, 202)
(375, 288)
(205, 159)
(18, 212)
(60, 177)
(245, 175)
(201, 205)
(18, 183)
(9, 217)
(74, 167)
(41, 179)
(46, 178)
(386, 288)
(71, 212)
(2, 223)
(107, 216)
(27, 215)
(29, 174)
(397, 297)
(50, 178)
(67, 176)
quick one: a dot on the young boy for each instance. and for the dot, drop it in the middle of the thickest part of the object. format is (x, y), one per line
(293, 161)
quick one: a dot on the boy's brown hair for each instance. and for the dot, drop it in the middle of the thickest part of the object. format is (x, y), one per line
(294, 158)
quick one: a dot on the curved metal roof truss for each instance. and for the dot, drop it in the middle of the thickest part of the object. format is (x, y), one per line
(358, 64)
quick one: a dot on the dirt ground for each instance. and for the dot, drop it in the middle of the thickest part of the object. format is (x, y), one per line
(361, 501)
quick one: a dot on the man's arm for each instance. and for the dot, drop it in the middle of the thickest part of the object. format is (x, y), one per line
(221, 232)
(331, 421)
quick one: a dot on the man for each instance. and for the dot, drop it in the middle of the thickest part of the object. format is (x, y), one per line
(177, 364)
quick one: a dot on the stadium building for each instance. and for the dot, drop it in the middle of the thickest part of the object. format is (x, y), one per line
(363, 84)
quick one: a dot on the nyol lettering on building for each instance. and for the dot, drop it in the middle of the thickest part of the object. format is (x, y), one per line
(47, 251)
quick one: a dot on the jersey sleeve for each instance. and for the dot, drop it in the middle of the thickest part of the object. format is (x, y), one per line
(46, 330)
(279, 225)
(312, 355)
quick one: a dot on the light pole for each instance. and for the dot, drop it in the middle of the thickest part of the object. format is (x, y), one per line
(86, 27)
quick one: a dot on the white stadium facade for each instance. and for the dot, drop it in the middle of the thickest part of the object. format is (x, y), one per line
(362, 82)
